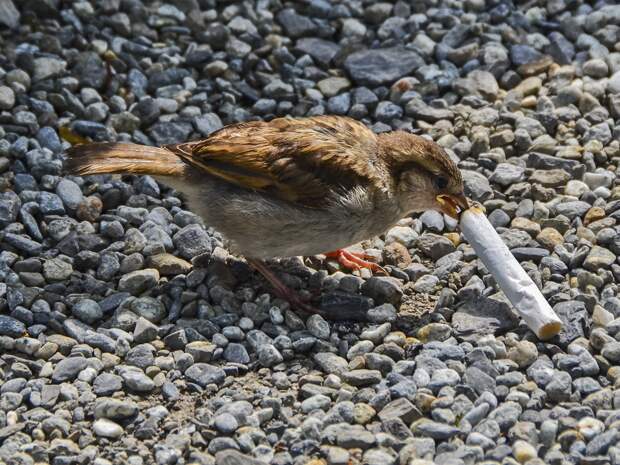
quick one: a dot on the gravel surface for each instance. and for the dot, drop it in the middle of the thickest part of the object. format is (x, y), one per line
(128, 333)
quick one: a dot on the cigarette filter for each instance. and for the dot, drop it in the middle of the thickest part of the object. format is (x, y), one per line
(508, 273)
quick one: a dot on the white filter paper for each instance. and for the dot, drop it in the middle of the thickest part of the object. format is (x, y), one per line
(518, 287)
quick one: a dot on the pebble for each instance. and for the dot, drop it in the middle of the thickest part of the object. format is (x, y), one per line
(107, 428)
(68, 369)
(138, 281)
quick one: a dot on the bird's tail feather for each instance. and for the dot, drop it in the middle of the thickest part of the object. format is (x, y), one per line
(119, 158)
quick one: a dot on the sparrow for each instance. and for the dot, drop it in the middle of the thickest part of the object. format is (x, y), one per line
(293, 186)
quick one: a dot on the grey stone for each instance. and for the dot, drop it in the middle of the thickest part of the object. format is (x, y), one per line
(226, 423)
(47, 67)
(294, 24)
(88, 311)
(351, 437)
(10, 204)
(433, 429)
(319, 328)
(68, 369)
(9, 15)
(148, 308)
(140, 356)
(135, 380)
(115, 409)
(331, 363)
(269, 355)
(191, 241)
(107, 384)
(382, 314)
(138, 281)
(479, 83)
(7, 96)
(506, 174)
(383, 289)
(236, 353)
(575, 321)
(207, 123)
(400, 408)
(321, 50)
(484, 316)
(362, 377)
(434, 245)
(560, 387)
(11, 327)
(375, 67)
(204, 374)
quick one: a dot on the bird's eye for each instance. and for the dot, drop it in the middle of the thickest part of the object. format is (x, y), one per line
(441, 182)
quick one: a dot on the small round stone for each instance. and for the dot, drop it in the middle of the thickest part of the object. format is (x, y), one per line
(107, 428)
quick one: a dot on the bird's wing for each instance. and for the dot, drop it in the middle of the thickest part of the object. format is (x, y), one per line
(299, 160)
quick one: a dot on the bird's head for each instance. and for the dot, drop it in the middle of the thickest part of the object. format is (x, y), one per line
(425, 176)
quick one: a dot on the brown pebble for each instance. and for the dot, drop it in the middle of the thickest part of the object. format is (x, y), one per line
(594, 214)
(455, 238)
(549, 238)
(89, 209)
(396, 254)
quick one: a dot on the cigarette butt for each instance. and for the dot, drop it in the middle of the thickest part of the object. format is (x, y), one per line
(518, 287)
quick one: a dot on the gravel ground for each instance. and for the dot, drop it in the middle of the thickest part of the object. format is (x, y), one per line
(128, 334)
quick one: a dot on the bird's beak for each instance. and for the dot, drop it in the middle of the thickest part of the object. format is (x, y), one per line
(453, 204)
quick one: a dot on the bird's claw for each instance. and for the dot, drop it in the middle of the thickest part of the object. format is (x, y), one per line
(355, 261)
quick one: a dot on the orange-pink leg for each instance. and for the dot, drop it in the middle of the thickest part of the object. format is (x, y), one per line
(354, 260)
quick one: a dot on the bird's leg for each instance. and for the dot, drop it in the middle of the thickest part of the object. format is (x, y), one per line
(281, 289)
(354, 261)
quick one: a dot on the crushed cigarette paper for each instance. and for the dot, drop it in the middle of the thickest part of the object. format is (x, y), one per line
(508, 273)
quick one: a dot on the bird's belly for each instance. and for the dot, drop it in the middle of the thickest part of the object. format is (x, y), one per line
(290, 236)
(286, 232)
(259, 226)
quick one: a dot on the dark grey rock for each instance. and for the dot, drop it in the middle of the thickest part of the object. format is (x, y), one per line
(268, 355)
(294, 24)
(204, 374)
(434, 245)
(483, 316)
(115, 409)
(323, 51)
(433, 429)
(331, 363)
(375, 67)
(68, 368)
(135, 380)
(90, 70)
(191, 241)
(559, 387)
(383, 289)
(529, 253)
(575, 321)
(107, 384)
(11, 327)
(477, 186)
(400, 408)
(140, 356)
(170, 133)
(236, 353)
(207, 123)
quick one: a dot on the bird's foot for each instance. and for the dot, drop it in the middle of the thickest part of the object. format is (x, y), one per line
(355, 261)
(282, 290)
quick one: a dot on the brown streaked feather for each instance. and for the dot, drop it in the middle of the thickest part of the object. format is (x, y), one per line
(109, 158)
(403, 151)
(300, 160)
